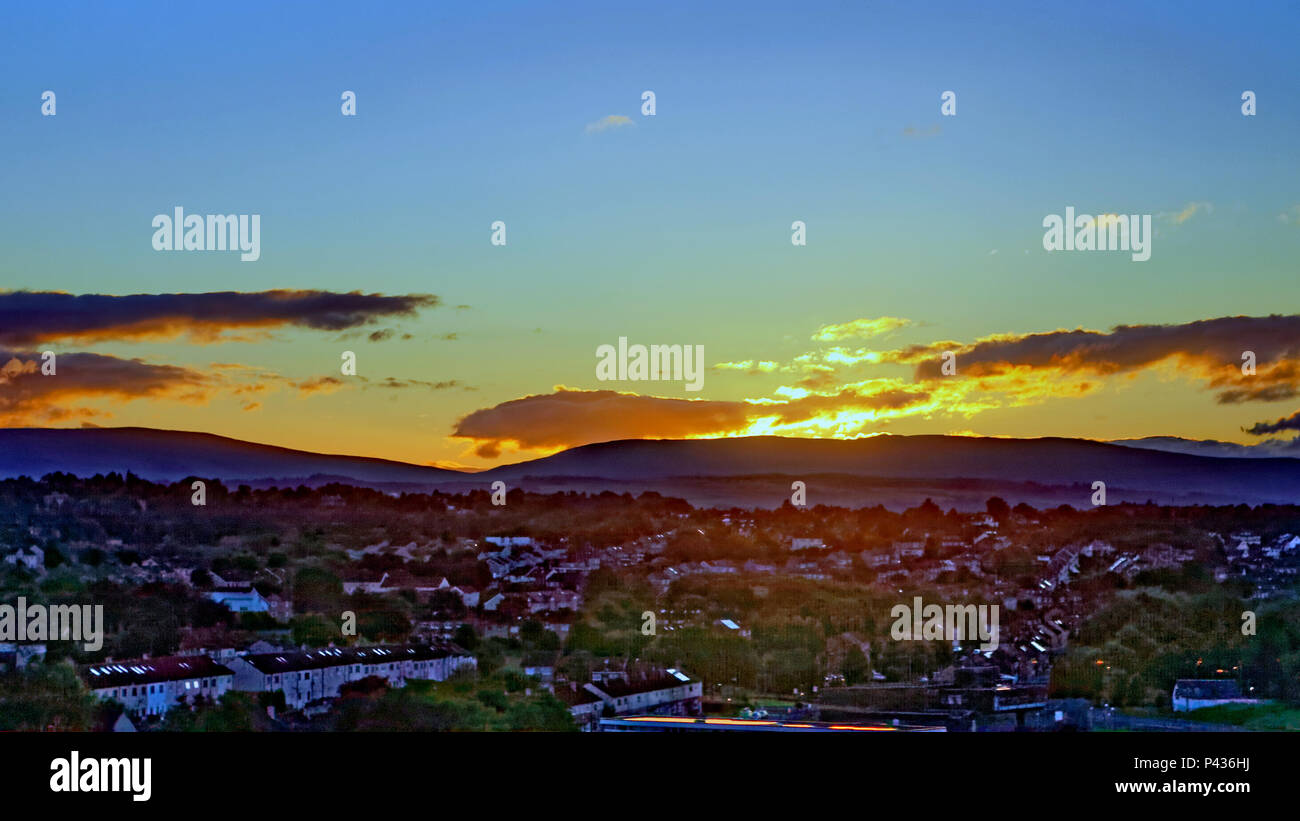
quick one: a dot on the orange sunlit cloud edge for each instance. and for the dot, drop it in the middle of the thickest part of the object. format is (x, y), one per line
(835, 390)
(830, 399)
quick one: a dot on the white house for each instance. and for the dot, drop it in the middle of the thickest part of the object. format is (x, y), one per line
(510, 541)
(32, 558)
(240, 601)
(154, 686)
(1193, 694)
(320, 674)
(670, 692)
(548, 600)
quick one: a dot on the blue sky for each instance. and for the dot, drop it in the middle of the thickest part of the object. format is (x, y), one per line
(676, 226)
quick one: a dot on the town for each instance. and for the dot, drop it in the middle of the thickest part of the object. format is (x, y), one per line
(342, 608)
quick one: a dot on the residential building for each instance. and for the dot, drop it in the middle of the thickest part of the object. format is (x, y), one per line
(547, 601)
(32, 558)
(509, 541)
(1193, 694)
(240, 601)
(15, 656)
(662, 692)
(152, 686)
(807, 544)
(305, 677)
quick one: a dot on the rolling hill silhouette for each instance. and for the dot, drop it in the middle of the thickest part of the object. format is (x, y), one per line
(629, 465)
(169, 455)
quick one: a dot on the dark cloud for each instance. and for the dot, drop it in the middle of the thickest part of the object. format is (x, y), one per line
(1264, 393)
(329, 384)
(1286, 423)
(36, 317)
(392, 382)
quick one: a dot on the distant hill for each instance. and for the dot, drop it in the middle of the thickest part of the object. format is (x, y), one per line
(1289, 448)
(1045, 461)
(742, 471)
(169, 455)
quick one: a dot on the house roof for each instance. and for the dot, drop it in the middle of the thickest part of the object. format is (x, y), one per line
(150, 671)
(295, 661)
(618, 688)
(574, 698)
(341, 656)
(222, 595)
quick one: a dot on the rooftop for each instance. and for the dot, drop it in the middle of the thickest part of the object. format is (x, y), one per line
(339, 656)
(149, 671)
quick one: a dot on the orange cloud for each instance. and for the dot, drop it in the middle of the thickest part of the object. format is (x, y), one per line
(322, 384)
(831, 399)
(29, 397)
(1211, 351)
(566, 418)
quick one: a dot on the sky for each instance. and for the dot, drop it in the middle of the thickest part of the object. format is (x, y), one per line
(924, 232)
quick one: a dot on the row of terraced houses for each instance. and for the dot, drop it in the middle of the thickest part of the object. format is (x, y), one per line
(152, 686)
